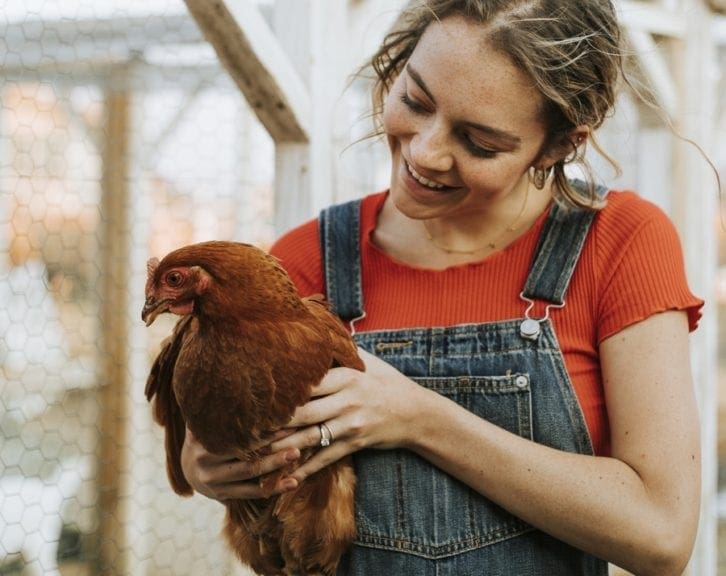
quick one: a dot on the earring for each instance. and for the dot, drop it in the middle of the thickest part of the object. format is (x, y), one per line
(540, 176)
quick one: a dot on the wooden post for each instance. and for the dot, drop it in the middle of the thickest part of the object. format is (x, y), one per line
(697, 214)
(293, 169)
(312, 33)
(113, 376)
(686, 89)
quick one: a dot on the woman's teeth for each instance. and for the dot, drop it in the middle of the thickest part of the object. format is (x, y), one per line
(424, 181)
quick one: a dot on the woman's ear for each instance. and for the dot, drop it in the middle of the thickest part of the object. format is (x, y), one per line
(566, 146)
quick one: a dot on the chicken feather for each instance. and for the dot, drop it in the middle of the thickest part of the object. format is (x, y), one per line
(246, 352)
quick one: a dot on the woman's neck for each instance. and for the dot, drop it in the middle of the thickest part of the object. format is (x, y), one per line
(440, 243)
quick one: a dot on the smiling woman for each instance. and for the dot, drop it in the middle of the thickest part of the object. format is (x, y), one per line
(527, 405)
(460, 168)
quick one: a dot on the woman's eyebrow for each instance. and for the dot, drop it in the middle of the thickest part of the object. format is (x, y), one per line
(416, 77)
(506, 137)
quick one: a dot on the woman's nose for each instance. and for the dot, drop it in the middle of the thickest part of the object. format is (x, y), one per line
(430, 148)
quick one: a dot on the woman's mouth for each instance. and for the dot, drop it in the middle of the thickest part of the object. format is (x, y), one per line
(432, 185)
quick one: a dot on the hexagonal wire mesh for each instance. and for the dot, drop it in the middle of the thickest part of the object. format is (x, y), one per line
(120, 138)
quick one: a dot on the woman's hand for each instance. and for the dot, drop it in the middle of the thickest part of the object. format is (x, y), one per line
(226, 477)
(361, 409)
(371, 409)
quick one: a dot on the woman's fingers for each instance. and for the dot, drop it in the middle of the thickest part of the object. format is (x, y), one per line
(224, 477)
(322, 458)
(340, 444)
(307, 437)
(330, 397)
(238, 479)
(335, 380)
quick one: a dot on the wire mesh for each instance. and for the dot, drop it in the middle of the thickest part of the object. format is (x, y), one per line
(120, 138)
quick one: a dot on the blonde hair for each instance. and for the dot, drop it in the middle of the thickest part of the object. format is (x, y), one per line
(571, 51)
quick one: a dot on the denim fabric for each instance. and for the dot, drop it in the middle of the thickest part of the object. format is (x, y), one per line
(412, 518)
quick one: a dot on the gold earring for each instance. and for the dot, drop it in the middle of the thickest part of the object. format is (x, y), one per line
(540, 176)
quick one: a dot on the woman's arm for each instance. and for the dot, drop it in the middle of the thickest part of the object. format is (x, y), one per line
(638, 508)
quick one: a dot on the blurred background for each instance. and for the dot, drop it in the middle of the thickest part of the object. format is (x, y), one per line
(124, 135)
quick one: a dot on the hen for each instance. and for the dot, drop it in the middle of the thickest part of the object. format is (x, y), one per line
(245, 354)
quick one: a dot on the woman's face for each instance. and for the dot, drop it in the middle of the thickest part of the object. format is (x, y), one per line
(462, 124)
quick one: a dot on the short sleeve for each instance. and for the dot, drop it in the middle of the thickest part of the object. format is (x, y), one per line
(642, 267)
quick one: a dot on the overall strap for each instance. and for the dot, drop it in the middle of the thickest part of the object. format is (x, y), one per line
(339, 227)
(558, 251)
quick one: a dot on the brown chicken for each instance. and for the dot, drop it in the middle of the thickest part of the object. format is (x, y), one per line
(245, 354)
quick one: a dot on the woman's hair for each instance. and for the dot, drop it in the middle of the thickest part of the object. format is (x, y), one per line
(570, 49)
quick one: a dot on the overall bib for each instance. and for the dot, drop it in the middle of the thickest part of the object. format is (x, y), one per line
(414, 519)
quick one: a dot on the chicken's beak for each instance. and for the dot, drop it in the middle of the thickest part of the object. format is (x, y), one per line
(152, 308)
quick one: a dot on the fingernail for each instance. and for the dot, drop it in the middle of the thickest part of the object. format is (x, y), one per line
(292, 455)
(288, 484)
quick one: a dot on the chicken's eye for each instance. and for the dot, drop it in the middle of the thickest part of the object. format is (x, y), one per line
(174, 279)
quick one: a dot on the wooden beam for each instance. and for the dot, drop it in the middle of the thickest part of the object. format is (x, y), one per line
(293, 160)
(315, 35)
(113, 414)
(719, 30)
(651, 18)
(697, 218)
(251, 54)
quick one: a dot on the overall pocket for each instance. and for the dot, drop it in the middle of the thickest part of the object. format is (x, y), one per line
(404, 503)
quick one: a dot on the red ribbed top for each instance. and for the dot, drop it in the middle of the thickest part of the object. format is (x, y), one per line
(630, 268)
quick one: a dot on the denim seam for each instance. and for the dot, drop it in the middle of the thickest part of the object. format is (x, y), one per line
(442, 551)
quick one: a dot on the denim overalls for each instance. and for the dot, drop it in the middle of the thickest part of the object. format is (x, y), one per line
(414, 519)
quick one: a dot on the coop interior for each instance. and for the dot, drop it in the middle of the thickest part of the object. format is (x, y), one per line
(124, 135)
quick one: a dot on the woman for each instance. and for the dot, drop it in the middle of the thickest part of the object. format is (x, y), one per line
(527, 405)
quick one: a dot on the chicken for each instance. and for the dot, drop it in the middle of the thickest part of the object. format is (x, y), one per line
(244, 355)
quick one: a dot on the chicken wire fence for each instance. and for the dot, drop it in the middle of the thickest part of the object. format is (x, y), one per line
(120, 138)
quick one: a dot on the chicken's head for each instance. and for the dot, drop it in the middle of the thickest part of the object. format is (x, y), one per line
(172, 288)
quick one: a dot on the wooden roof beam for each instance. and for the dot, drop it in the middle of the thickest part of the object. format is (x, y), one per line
(252, 56)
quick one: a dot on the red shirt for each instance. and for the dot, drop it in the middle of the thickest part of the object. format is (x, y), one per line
(631, 267)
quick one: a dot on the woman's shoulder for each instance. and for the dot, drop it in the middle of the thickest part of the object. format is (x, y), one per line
(638, 260)
(630, 225)
(626, 211)
(631, 222)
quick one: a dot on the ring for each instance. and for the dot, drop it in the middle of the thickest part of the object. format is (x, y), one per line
(326, 436)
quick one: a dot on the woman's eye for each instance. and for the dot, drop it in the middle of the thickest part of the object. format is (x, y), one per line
(174, 279)
(471, 146)
(412, 104)
(475, 148)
